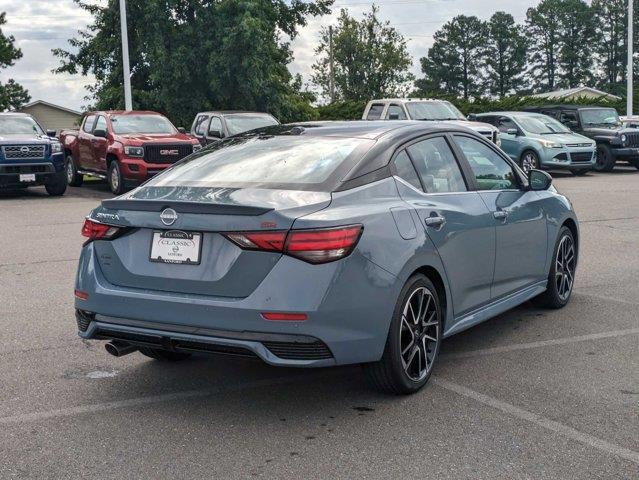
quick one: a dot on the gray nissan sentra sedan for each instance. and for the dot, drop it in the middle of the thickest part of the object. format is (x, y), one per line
(325, 244)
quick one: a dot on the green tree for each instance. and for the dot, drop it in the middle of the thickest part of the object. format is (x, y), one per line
(451, 65)
(188, 56)
(543, 29)
(370, 59)
(12, 94)
(505, 55)
(577, 38)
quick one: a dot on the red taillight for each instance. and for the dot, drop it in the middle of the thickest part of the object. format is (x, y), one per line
(313, 246)
(269, 241)
(289, 317)
(98, 231)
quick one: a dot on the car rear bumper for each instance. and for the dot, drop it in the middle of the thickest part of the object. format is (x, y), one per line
(353, 327)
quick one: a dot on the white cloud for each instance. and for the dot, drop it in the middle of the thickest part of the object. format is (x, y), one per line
(40, 25)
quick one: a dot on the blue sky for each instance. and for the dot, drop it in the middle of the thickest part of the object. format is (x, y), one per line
(40, 25)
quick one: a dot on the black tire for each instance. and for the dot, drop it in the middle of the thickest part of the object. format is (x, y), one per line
(529, 160)
(634, 163)
(390, 374)
(163, 355)
(605, 160)
(552, 297)
(74, 179)
(579, 172)
(115, 178)
(57, 185)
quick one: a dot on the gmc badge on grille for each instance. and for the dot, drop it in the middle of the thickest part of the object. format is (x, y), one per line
(169, 152)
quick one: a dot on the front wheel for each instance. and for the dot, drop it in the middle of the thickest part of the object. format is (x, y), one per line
(115, 178)
(605, 160)
(529, 161)
(413, 341)
(57, 185)
(562, 272)
(74, 178)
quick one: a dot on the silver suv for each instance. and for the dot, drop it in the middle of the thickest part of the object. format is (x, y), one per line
(425, 109)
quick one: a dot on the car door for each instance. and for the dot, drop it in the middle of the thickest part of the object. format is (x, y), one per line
(99, 145)
(215, 130)
(510, 136)
(454, 217)
(85, 147)
(518, 216)
(198, 130)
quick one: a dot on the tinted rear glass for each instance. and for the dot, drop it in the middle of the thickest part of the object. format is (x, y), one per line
(243, 123)
(267, 161)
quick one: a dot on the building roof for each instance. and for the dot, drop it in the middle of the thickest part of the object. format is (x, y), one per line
(579, 91)
(52, 105)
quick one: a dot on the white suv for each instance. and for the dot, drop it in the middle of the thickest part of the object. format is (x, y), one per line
(425, 109)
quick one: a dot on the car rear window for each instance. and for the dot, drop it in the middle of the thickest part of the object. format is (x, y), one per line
(267, 161)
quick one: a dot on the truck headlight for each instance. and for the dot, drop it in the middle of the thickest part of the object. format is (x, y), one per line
(624, 139)
(550, 144)
(56, 147)
(134, 151)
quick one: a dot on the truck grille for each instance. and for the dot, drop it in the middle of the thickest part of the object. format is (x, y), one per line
(166, 153)
(581, 157)
(633, 140)
(24, 152)
(489, 134)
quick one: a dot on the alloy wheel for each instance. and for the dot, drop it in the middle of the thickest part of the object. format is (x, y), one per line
(70, 171)
(529, 162)
(115, 179)
(565, 264)
(419, 334)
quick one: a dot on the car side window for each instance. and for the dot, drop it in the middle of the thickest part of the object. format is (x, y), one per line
(504, 124)
(569, 118)
(375, 112)
(396, 112)
(491, 171)
(437, 166)
(406, 171)
(215, 128)
(101, 124)
(88, 124)
(200, 125)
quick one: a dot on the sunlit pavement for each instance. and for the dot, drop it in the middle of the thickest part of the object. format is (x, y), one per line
(530, 394)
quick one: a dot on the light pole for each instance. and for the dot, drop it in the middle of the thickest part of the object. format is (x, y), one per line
(629, 74)
(128, 102)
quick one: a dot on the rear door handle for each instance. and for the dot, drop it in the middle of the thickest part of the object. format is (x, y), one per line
(500, 214)
(434, 221)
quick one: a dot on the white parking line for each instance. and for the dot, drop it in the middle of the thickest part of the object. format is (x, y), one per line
(540, 421)
(136, 402)
(542, 343)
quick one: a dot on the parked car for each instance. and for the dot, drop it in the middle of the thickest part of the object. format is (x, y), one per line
(425, 109)
(120, 146)
(614, 141)
(29, 156)
(631, 121)
(210, 127)
(325, 244)
(534, 140)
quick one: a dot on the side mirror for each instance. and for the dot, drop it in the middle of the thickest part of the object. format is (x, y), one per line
(181, 129)
(539, 180)
(51, 133)
(512, 131)
(215, 134)
(98, 132)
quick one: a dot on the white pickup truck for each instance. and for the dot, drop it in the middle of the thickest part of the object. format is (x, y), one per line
(425, 109)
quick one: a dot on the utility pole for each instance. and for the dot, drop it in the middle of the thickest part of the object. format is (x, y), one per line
(128, 102)
(630, 72)
(331, 66)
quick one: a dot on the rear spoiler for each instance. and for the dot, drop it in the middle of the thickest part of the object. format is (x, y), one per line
(184, 207)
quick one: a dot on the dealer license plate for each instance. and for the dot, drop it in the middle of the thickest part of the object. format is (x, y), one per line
(176, 246)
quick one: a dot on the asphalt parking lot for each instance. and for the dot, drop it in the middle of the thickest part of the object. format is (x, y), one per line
(530, 394)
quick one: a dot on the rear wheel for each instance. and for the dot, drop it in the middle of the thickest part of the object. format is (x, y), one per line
(413, 341)
(562, 272)
(529, 161)
(163, 355)
(115, 178)
(74, 179)
(605, 160)
(57, 185)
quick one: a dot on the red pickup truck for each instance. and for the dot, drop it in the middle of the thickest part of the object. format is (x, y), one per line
(120, 146)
